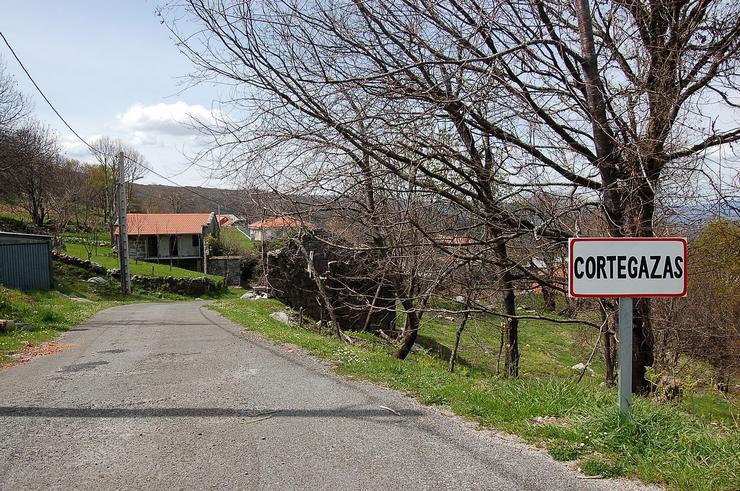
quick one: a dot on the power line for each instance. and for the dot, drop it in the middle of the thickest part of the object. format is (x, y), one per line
(42, 93)
(173, 182)
(90, 147)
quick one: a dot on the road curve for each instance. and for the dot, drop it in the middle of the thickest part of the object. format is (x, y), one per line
(173, 395)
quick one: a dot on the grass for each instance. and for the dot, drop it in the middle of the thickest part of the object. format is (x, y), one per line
(48, 312)
(99, 237)
(550, 350)
(52, 312)
(236, 241)
(661, 444)
(547, 348)
(105, 257)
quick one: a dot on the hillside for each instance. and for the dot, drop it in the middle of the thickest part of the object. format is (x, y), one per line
(157, 198)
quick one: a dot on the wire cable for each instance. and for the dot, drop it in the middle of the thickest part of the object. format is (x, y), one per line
(173, 182)
(42, 93)
(92, 149)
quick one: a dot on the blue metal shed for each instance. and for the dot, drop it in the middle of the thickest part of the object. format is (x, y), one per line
(25, 261)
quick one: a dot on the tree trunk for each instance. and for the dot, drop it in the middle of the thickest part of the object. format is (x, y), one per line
(548, 296)
(458, 335)
(511, 324)
(410, 330)
(642, 346)
(643, 342)
(322, 292)
(38, 217)
(610, 349)
(511, 334)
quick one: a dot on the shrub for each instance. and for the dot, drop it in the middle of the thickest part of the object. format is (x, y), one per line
(248, 267)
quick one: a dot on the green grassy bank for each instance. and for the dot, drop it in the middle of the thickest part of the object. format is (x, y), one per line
(49, 313)
(663, 443)
(105, 257)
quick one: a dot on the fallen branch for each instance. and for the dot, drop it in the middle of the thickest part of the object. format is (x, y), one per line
(593, 351)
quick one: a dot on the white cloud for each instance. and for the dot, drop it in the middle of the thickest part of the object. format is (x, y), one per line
(142, 138)
(166, 119)
(73, 148)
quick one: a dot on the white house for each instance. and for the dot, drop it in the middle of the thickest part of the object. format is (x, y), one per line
(275, 228)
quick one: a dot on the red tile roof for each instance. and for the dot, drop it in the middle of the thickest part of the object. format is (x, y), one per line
(279, 222)
(166, 223)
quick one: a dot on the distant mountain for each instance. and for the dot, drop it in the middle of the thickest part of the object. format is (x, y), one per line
(247, 204)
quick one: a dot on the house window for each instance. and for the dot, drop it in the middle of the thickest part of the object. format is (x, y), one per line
(196, 241)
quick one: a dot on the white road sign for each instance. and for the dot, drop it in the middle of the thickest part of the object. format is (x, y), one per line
(627, 267)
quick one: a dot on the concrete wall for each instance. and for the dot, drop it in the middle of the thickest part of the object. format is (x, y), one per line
(185, 246)
(267, 233)
(212, 228)
(226, 266)
(138, 247)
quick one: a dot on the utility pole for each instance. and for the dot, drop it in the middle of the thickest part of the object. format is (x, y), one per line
(123, 227)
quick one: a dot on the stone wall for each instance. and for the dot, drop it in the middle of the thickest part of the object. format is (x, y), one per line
(349, 278)
(227, 266)
(183, 286)
(91, 266)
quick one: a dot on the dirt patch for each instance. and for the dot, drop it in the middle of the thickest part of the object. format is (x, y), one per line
(30, 351)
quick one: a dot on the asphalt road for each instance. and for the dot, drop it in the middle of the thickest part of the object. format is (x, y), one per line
(172, 395)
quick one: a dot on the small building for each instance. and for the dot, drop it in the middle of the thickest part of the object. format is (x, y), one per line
(275, 228)
(25, 261)
(228, 220)
(175, 238)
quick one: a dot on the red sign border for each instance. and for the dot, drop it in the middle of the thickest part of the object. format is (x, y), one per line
(573, 240)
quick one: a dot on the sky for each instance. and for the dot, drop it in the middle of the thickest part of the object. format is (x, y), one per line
(110, 68)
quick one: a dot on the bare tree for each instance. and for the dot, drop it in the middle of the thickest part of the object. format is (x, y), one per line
(449, 163)
(30, 157)
(481, 105)
(106, 152)
(178, 200)
(13, 104)
(68, 186)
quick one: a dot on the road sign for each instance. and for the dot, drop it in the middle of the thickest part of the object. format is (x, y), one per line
(627, 267)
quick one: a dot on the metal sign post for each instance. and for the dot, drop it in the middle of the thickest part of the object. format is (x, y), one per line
(625, 358)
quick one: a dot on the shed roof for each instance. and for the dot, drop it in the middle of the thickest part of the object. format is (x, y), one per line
(30, 236)
(166, 223)
(19, 238)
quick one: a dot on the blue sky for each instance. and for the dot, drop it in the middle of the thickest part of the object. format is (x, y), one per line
(111, 69)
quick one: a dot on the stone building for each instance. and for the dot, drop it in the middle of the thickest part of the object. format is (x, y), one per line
(275, 228)
(175, 238)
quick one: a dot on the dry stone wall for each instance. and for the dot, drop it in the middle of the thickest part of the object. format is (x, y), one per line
(183, 286)
(349, 278)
